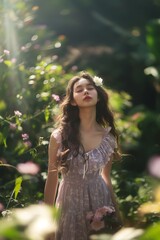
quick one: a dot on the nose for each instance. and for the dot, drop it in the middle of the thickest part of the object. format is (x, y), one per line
(85, 91)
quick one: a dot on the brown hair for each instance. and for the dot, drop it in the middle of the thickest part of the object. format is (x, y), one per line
(69, 119)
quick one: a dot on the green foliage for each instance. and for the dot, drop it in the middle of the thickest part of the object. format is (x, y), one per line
(153, 70)
(132, 191)
(152, 233)
(35, 68)
(17, 187)
(153, 31)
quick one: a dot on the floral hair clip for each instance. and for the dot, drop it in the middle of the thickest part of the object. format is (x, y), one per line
(98, 81)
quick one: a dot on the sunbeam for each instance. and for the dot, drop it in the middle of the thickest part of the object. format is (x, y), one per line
(11, 39)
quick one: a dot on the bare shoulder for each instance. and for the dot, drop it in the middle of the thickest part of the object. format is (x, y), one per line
(55, 139)
(56, 136)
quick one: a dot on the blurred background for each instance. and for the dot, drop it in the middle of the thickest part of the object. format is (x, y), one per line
(42, 45)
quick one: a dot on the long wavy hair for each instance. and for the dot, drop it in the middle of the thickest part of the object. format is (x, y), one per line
(69, 120)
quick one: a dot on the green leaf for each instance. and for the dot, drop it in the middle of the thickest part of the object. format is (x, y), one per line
(152, 233)
(2, 106)
(3, 140)
(8, 63)
(46, 114)
(17, 187)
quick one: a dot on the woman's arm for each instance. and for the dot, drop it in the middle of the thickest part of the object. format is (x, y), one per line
(106, 176)
(52, 178)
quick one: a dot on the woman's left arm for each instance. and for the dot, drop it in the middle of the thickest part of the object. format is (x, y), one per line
(106, 177)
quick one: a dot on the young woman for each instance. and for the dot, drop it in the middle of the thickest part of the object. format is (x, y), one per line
(82, 148)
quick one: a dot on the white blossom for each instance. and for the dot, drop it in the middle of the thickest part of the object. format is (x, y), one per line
(98, 81)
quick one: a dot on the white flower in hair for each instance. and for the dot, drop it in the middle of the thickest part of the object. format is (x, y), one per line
(98, 81)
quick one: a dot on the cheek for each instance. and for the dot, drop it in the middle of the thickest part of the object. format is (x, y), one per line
(76, 98)
(96, 95)
(77, 95)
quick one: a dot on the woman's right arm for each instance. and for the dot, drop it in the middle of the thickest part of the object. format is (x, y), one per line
(52, 178)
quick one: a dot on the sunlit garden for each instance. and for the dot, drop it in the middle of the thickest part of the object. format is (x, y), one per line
(43, 44)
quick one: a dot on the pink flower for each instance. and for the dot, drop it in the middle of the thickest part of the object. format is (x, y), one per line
(17, 113)
(97, 219)
(56, 97)
(97, 216)
(13, 60)
(23, 48)
(1, 207)
(55, 57)
(106, 209)
(25, 136)
(7, 52)
(154, 166)
(89, 215)
(28, 144)
(74, 68)
(12, 126)
(37, 46)
(28, 168)
(97, 225)
(136, 116)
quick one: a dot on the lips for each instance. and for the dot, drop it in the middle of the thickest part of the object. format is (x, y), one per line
(87, 98)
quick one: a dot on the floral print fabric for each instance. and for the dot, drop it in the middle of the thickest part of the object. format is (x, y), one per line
(83, 190)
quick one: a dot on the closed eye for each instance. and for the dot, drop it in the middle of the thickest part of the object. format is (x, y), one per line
(90, 88)
(79, 90)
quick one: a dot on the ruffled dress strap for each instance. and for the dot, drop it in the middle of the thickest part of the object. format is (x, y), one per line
(109, 145)
(97, 158)
(112, 139)
(107, 130)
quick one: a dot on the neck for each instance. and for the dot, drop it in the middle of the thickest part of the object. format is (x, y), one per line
(87, 119)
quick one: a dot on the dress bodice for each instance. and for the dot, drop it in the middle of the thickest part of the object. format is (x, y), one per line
(94, 160)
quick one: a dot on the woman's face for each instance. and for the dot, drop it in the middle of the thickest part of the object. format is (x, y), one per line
(84, 94)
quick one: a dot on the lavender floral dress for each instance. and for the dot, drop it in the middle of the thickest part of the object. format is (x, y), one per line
(82, 189)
